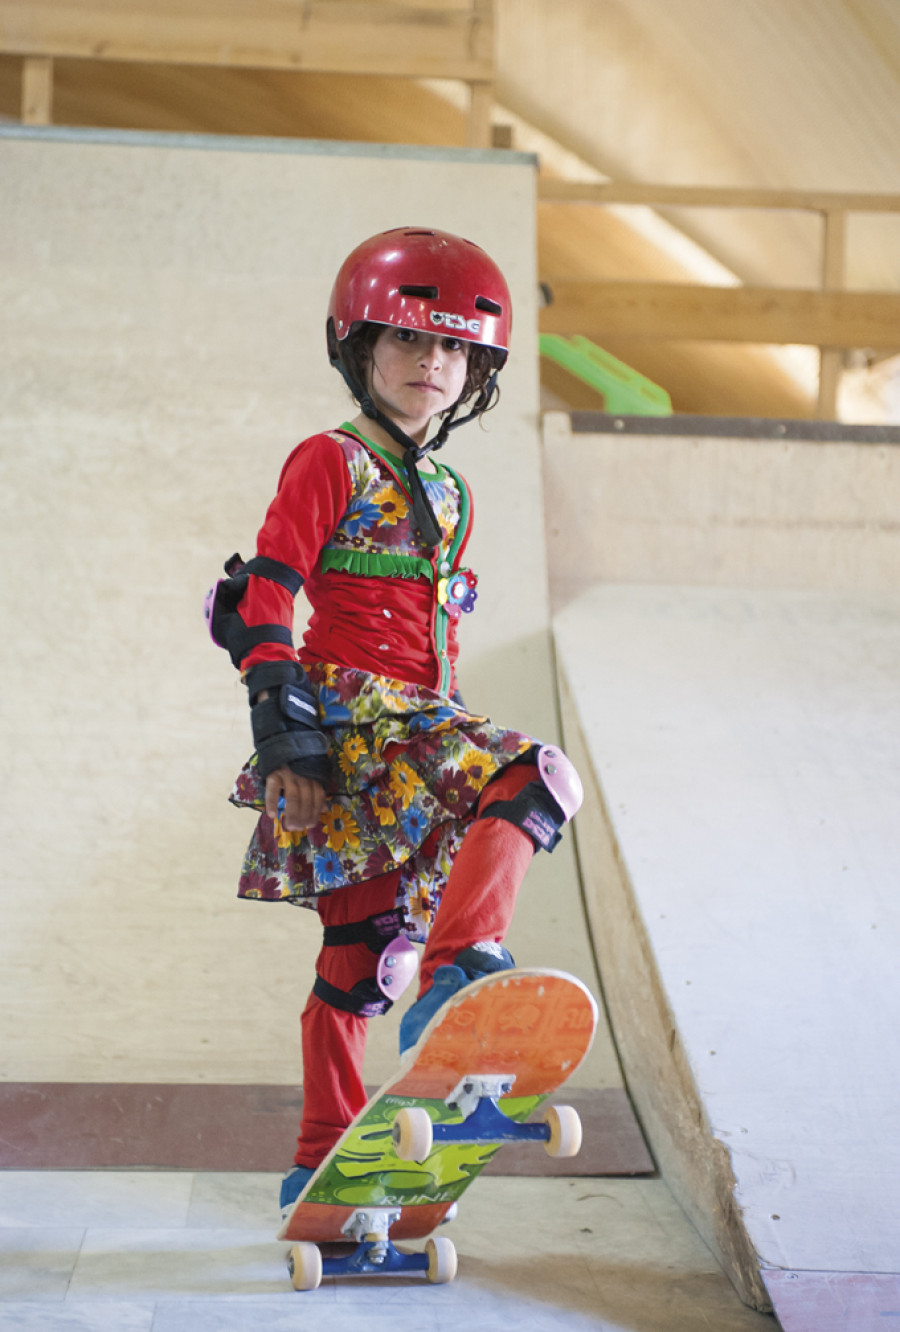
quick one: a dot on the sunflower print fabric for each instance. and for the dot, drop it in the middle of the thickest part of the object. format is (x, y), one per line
(408, 765)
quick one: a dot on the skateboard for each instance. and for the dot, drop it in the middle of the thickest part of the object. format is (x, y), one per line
(486, 1062)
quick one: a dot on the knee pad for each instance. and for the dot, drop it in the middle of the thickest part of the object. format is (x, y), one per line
(398, 962)
(561, 779)
(542, 807)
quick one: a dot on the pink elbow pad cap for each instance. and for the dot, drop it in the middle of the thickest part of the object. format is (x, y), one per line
(396, 967)
(561, 780)
(209, 602)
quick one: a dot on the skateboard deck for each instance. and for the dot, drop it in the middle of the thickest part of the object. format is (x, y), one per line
(497, 1049)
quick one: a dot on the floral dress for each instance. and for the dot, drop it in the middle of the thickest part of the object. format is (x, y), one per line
(408, 760)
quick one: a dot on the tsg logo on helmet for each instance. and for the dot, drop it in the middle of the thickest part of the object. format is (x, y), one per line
(455, 322)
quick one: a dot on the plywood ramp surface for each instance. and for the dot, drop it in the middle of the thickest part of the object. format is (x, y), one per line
(740, 846)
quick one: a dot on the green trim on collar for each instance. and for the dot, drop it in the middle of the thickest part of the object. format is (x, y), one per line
(391, 458)
(377, 564)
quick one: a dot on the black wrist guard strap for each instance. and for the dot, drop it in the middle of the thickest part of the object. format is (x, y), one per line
(286, 724)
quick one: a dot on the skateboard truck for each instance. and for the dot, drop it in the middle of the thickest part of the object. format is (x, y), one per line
(374, 1255)
(469, 1092)
(371, 1224)
(369, 1228)
(475, 1097)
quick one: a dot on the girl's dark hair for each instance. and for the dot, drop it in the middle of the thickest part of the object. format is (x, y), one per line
(361, 339)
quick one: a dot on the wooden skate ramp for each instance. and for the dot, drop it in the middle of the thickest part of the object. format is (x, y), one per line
(740, 845)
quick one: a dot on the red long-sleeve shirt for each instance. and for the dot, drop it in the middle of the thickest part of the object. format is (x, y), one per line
(386, 625)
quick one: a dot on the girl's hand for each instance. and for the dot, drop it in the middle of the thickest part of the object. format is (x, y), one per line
(304, 799)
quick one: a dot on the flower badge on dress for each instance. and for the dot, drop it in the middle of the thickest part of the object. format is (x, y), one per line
(457, 593)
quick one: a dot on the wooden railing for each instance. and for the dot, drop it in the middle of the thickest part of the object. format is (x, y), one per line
(308, 36)
(827, 317)
(458, 43)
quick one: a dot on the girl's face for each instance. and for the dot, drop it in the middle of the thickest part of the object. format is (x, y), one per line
(412, 376)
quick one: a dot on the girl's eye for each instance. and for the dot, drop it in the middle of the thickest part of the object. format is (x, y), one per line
(406, 335)
(453, 344)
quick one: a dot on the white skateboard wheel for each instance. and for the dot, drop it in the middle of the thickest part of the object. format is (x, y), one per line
(565, 1130)
(305, 1267)
(413, 1134)
(441, 1260)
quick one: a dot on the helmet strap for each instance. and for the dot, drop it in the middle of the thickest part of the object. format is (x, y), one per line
(450, 423)
(423, 513)
(412, 452)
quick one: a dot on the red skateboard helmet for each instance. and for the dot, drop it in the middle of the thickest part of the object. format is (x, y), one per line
(419, 278)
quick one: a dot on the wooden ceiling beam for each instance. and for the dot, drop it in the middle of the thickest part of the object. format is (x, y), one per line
(322, 36)
(670, 310)
(551, 190)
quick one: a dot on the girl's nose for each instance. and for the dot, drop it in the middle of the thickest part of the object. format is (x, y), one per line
(430, 352)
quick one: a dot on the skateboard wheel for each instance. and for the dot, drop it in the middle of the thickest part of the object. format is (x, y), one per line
(413, 1134)
(565, 1130)
(441, 1261)
(305, 1267)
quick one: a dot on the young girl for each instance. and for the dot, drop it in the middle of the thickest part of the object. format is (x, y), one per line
(384, 803)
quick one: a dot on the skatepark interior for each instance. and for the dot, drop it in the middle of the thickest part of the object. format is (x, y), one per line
(708, 620)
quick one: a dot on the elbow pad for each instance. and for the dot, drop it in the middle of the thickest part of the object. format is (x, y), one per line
(220, 606)
(285, 725)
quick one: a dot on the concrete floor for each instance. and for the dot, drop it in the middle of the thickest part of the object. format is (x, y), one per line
(134, 1251)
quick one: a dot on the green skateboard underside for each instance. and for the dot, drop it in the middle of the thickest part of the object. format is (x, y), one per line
(366, 1171)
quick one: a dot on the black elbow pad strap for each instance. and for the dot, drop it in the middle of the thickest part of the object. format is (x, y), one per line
(241, 641)
(276, 572)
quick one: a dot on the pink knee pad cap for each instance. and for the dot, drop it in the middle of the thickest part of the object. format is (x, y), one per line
(561, 780)
(396, 967)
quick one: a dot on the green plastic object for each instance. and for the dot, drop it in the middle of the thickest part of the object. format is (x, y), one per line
(625, 391)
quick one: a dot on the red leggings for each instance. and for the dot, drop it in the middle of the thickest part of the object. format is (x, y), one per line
(477, 904)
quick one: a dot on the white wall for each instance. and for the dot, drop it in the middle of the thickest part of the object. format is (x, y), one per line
(692, 509)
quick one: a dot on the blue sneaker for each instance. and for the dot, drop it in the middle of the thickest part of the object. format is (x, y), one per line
(470, 965)
(293, 1184)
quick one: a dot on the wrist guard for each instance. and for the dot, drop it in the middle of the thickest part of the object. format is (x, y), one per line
(286, 724)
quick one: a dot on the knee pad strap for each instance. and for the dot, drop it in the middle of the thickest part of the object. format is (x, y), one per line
(382, 934)
(534, 811)
(376, 932)
(364, 1000)
(542, 807)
